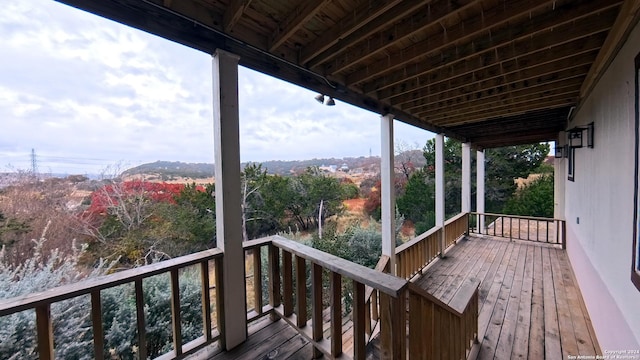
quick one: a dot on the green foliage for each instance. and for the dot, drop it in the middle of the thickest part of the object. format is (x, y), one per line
(10, 228)
(417, 203)
(72, 318)
(502, 166)
(349, 190)
(534, 199)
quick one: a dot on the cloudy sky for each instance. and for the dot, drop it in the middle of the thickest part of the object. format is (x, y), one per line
(87, 94)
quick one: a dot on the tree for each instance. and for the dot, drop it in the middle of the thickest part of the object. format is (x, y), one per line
(502, 166)
(534, 199)
(418, 203)
(310, 189)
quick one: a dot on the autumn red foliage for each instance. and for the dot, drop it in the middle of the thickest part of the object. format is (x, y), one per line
(109, 195)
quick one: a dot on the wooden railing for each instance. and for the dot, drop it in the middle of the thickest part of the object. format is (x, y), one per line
(455, 228)
(41, 304)
(514, 227)
(414, 255)
(374, 297)
(443, 331)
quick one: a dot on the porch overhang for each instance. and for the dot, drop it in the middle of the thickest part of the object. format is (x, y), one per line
(489, 72)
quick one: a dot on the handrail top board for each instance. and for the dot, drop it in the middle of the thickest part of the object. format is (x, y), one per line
(462, 297)
(517, 216)
(86, 286)
(388, 284)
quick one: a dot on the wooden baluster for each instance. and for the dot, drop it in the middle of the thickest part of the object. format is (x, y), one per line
(44, 330)
(416, 331)
(336, 314)
(206, 300)
(301, 292)
(140, 323)
(257, 281)
(176, 318)
(220, 305)
(358, 321)
(316, 306)
(96, 322)
(392, 327)
(287, 283)
(274, 279)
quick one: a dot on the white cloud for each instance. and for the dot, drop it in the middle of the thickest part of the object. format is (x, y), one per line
(86, 92)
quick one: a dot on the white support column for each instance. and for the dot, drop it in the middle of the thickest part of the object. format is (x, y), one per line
(226, 132)
(387, 191)
(466, 178)
(480, 189)
(440, 188)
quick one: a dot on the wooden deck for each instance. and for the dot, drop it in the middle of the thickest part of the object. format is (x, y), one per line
(530, 304)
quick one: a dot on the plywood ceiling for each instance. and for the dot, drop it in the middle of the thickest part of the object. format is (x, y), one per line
(491, 72)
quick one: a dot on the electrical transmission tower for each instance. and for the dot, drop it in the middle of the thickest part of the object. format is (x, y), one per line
(34, 162)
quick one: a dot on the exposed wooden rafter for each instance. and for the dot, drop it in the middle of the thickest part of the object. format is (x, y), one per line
(493, 72)
(294, 21)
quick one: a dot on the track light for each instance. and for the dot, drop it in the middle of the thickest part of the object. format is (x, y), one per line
(323, 99)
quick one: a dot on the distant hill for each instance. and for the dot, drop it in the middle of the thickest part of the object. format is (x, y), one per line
(170, 170)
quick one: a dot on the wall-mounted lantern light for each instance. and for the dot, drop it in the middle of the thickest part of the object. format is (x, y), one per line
(575, 136)
(559, 151)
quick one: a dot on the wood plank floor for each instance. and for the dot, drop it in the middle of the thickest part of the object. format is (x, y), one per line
(530, 304)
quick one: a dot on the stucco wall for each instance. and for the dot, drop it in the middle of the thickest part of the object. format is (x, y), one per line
(601, 199)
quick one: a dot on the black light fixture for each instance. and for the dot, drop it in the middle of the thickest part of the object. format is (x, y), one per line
(566, 150)
(575, 136)
(559, 151)
(323, 99)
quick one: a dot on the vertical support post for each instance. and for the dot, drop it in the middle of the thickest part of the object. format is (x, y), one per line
(316, 306)
(226, 132)
(466, 178)
(387, 191)
(440, 190)
(206, 300)
(480, 190)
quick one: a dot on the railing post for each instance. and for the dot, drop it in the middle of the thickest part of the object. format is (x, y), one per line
(274, 278)
(45, 332)
(336, 314)
(206, 300)
(440, 190)
(176, 321)
(140, 322)
(96, 322)
(358, 321)
(393, 329)
(316, 306)
(301, 292)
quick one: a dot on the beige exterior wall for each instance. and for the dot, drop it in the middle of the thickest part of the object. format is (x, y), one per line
(599, 206)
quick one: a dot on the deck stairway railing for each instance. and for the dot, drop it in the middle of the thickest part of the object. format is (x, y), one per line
(514, 227)
(414, 255)
(376, 302)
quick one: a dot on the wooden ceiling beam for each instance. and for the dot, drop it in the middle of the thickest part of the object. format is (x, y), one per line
(506, 92)
(566, 68)
(360, 17)
(626, 20)
(462, 31)
(235, 9)
(513, 103)
(298, 17)
(518, 137)
(546, 82)
(461, 83)
(377, 38)
(536, 37)
(447, 121)
(530, 50)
